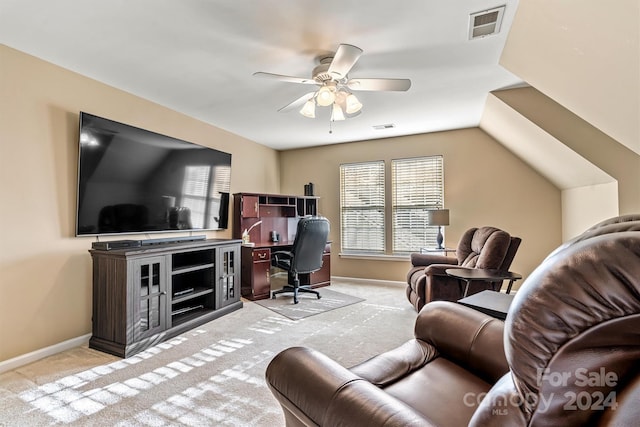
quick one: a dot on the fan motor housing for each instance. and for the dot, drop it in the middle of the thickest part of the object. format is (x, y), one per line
(321, 73)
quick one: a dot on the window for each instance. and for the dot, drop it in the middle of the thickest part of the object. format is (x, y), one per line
(201, 188)
(418, 186)
(362, 219)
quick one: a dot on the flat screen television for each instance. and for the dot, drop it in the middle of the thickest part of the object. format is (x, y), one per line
(132, 180)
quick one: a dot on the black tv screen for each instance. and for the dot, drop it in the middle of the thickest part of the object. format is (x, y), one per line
(132, 180)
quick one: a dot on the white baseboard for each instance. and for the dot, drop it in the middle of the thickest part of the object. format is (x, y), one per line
(25, 359)
(370, 281)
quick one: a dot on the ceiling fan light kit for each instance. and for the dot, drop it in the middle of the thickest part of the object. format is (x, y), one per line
(336, 113)
(309, 109)
(353, 104)
(331, 76)
(326, 95)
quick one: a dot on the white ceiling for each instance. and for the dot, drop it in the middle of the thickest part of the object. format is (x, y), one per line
(197, 57)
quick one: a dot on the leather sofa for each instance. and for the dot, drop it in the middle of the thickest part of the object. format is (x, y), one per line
(479, 247)
(567, 354)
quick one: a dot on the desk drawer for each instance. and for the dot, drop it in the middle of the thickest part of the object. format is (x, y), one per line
(261, 255)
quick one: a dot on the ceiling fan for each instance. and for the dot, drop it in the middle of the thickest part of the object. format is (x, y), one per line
(331, 75)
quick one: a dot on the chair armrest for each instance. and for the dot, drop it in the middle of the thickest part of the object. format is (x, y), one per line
(275, 256)
(282, 253)
(418, 260)
(387, 367)
(320, 392)
(471, 338)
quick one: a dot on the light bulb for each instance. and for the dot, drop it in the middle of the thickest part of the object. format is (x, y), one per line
(353, 104)
(326, 96)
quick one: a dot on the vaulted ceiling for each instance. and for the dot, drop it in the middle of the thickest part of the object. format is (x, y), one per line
(198, 58)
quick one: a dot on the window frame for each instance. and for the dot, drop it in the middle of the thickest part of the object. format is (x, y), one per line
(372, 241)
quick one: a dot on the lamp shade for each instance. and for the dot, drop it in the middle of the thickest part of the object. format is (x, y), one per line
(438, 217)
(309, 109)
(353, 104)
(326, 96)
(336, 113)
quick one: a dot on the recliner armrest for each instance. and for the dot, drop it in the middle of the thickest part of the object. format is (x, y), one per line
(438, 269)
(318, 391)
(418, 260)
(472, 339)
(392, 365)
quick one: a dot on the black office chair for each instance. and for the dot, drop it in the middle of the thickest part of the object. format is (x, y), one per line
(305, 256)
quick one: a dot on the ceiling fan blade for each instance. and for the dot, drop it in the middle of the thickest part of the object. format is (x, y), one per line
(297, 103)
(284, 78)
(344, 59)
(379, 84)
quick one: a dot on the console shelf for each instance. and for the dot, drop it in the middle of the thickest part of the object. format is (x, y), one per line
(145, 295)
(183, 270)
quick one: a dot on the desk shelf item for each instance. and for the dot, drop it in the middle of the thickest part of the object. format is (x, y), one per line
(145, 295)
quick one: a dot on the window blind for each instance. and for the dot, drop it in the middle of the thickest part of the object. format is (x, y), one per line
(362, 220)
(194, 188)
(417, 186)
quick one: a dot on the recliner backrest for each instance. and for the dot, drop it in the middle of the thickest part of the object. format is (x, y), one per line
(511, 253)
(573, 334)
(483, 247)
(308, 246)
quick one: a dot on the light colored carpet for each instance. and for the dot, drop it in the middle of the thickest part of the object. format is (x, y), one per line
(210, 376)
(308, 304)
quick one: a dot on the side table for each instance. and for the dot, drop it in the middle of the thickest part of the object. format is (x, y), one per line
(470, 274)
(495, 304)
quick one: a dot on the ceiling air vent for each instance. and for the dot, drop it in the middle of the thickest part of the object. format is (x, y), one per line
(382, 127)
(485, 23)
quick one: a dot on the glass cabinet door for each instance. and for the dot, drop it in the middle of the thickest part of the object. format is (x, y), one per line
(151, 286)
(228, 275)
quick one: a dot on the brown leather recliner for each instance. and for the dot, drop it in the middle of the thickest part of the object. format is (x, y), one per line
(484, 247)
(570, 355)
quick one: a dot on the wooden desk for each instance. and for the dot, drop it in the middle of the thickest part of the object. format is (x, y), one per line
(495, 304)
(471, 274)
(261, 215)
(255, 275)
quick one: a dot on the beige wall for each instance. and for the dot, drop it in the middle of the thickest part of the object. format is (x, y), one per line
(582, 207)
(45, 272)
(485, 184)
(586, 56)
(583, 62)
(584, 139)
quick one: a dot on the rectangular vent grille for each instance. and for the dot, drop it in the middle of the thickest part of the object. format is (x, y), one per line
(485, 23)
(382, 127)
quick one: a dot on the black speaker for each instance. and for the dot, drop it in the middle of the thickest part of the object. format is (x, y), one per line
(116, 244)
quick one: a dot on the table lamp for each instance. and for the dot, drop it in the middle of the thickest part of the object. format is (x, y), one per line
(438, 217)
